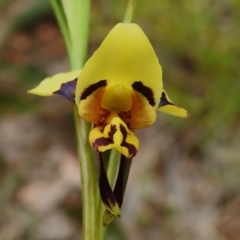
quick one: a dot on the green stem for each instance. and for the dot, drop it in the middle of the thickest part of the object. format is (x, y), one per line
(88, 179)
(129, 11)
(77, 15)
(58, 11)
(73, 19)
(113, 166)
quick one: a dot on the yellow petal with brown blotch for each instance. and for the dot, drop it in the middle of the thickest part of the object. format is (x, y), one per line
(124, 57)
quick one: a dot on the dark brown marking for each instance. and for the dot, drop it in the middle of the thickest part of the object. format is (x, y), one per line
(131, 148)
(126, 117)
(93, 87)
(102, 116)
(113, 130)
(145, 91)
(102, 141)
(123, 131)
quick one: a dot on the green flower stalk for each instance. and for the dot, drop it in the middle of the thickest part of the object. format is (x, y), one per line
(118, 89)
(73, 19)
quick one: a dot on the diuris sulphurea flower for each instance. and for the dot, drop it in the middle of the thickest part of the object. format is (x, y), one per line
(118, 90)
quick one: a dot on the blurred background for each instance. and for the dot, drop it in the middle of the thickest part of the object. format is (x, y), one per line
(185, 181)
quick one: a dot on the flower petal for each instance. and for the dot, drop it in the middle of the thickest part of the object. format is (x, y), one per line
(124, 139)
(90, 108)
(99, 141)
(115, 135)
(167, 106)
(142, 113)
(125, 56)
(49, 85)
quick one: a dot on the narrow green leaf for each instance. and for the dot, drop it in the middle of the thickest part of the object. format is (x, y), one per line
(77, 14)
(62, 22)
(88, 179)
(129, 11)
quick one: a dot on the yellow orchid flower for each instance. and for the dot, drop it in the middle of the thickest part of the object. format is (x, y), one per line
(118, 90)
(123, 90)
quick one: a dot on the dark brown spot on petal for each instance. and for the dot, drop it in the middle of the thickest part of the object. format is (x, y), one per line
(102, 116)
(93, 87)
(126, 117)
(113, 130)
(123, 131)
(102, 141)
(145, 91)
(131, 148)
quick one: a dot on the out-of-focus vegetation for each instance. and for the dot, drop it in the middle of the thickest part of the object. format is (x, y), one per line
(184, 183)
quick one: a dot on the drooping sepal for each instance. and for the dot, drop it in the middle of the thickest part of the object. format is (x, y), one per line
(167, 106)
(122, 178)
(120, 186)
(61, 83)
(106, 192)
